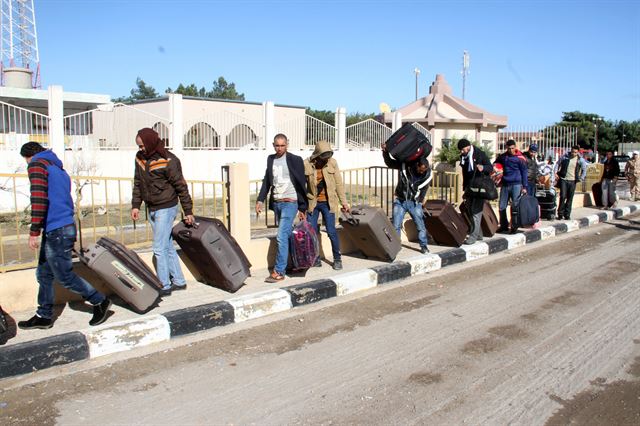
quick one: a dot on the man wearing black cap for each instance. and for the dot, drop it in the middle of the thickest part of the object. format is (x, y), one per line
(473, 161)
(410, 193)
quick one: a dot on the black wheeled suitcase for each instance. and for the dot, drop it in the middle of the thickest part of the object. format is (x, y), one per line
(529, 210)
(596, 190)
(408, 144)
(212, 251)
(445, 224)
(489, 222)
(124, 272)
(372, 232)
(547, 201)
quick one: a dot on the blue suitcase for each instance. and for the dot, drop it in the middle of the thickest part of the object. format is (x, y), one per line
(528, 210)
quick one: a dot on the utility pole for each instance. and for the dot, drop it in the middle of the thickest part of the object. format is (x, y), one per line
(417, 72)
(465, 72)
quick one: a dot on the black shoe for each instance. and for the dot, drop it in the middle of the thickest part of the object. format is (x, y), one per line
(318, 264)
(165, 291)
(424, 249)
(175, 287)
(100, 312)
(514, 231)
(470, 241)
(503, 230)
(35, 322)
(337, 264)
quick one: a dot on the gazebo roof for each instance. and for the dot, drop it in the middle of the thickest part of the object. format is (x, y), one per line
(440, 106)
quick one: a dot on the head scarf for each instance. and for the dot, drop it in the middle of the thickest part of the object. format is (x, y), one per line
(152, 143)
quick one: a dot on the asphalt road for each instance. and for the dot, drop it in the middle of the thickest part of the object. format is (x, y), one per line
(543, 335)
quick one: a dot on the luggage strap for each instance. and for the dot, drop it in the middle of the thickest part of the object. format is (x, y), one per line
(349, 217)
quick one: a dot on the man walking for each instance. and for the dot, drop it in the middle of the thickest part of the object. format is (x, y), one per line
(514, 185)
(572, 168)
(284, 179)
(473, 161)
(609, 180)
(632, 172)
(52, 212)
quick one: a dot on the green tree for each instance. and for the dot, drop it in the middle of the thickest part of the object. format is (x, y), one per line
(223, 90)
(357, 117)
(141, 91)
(450, 153)
(328, 117)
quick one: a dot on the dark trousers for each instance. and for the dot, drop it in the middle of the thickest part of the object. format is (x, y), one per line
(567, 189)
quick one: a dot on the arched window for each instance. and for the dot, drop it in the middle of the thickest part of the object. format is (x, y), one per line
(240, 136)
(163, 132)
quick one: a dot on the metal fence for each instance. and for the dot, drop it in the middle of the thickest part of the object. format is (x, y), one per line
(552, 141)
(223, 130)
(19, 126)
(103, 206)
(368, 134)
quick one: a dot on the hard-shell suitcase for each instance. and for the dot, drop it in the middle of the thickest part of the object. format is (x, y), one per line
(303, 246)
(547, 201)
(124, 272)
(489, 222)
(372, 232)
(408, 144)
(596, 190)
(528, 210)
(212, 251)
(444, 223)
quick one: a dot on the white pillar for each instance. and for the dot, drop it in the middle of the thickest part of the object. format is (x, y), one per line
(56, 120)
(239, 208)
(396, 122)
(341, 128)
(269, 123)
(176, 117)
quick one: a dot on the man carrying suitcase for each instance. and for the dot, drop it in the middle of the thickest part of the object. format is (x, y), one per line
(284, 179)
(572, 168)
(410, 194)
(326, 196)
(158, 181)
(52, 212)
(514, 185)
(473, 161)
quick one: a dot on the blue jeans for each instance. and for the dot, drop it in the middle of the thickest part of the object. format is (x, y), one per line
(329, 220)
(55, 262)
(167, 261)
(285, 213)
(400, 208)
(510, 192)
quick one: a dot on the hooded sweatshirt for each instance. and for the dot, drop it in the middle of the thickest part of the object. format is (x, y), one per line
(51, 203)
(324, 184)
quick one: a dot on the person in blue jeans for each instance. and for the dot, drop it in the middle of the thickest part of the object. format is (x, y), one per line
(284, 180)
(514, 185)
(159, 183)
(325, 194)
(410, 194)
(52, 212)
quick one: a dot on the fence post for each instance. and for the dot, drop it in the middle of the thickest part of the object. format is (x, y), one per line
(176, 117)
(56, 120)
(239, 199)
(396, 122)
(269, 123)
(458, 182)
(341, 128)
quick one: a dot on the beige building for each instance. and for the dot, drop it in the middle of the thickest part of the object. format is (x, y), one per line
(446, 117)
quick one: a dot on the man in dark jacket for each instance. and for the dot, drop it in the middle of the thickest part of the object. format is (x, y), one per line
(52, 212)
(158, 181)
(410, 194)
(609, 180)
(514, 185)
(285, 180)
(532, 168)
(473, 161)
(572, 168)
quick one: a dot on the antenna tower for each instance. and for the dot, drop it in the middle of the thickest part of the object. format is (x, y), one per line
(19, 39)
(465, 71)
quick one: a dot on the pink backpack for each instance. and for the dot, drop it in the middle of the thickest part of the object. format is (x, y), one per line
(303, 246)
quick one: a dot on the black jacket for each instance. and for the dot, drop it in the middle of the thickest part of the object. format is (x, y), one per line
(411, 186)
(479, 157)
(611, 169)
(296, 173)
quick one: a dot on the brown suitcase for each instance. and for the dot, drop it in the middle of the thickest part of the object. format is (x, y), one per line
(489, 222)
(372, 232)
(445, 224)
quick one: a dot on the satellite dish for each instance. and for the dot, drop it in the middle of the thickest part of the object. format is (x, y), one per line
(384, 107)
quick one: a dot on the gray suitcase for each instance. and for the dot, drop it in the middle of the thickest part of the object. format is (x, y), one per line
(124, 272)
(372, 232)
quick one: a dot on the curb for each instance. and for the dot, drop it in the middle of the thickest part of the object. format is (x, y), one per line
(91, 343)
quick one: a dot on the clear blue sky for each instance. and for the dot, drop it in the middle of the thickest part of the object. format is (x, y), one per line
(530, 60)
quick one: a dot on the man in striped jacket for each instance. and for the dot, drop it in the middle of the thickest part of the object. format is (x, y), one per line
(52, 212)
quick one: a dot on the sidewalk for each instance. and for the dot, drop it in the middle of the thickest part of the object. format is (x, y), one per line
(201, 307)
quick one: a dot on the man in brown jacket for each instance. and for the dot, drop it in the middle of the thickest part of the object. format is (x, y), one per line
(159, 183)
(325, 193)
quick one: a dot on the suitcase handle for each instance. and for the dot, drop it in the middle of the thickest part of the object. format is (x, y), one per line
(386, 233)
(349, 217)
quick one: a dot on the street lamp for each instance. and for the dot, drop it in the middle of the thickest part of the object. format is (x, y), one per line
(595, 148)
(417, 72)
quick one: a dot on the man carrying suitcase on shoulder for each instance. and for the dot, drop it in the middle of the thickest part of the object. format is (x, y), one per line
(472, 161)
(158, 181)
(410, 193)
(52, 212)
(285, 180)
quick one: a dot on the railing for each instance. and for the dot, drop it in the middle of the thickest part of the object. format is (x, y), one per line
(368, 134)
(19, 126)
(103, 206)
(223, 130)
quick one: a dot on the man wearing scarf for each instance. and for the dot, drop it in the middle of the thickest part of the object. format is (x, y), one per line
(473, 161)
(158, 181)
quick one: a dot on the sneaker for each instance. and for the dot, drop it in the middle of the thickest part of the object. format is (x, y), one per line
(469, 241)
(175, 287)
(424, 250)
(35, 322)
(480, 237)
(165, 291)
(337, 264)
(318, 264)
(274, 277)
(100, 312)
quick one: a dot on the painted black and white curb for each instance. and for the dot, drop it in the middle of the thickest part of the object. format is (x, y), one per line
(126, 335)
